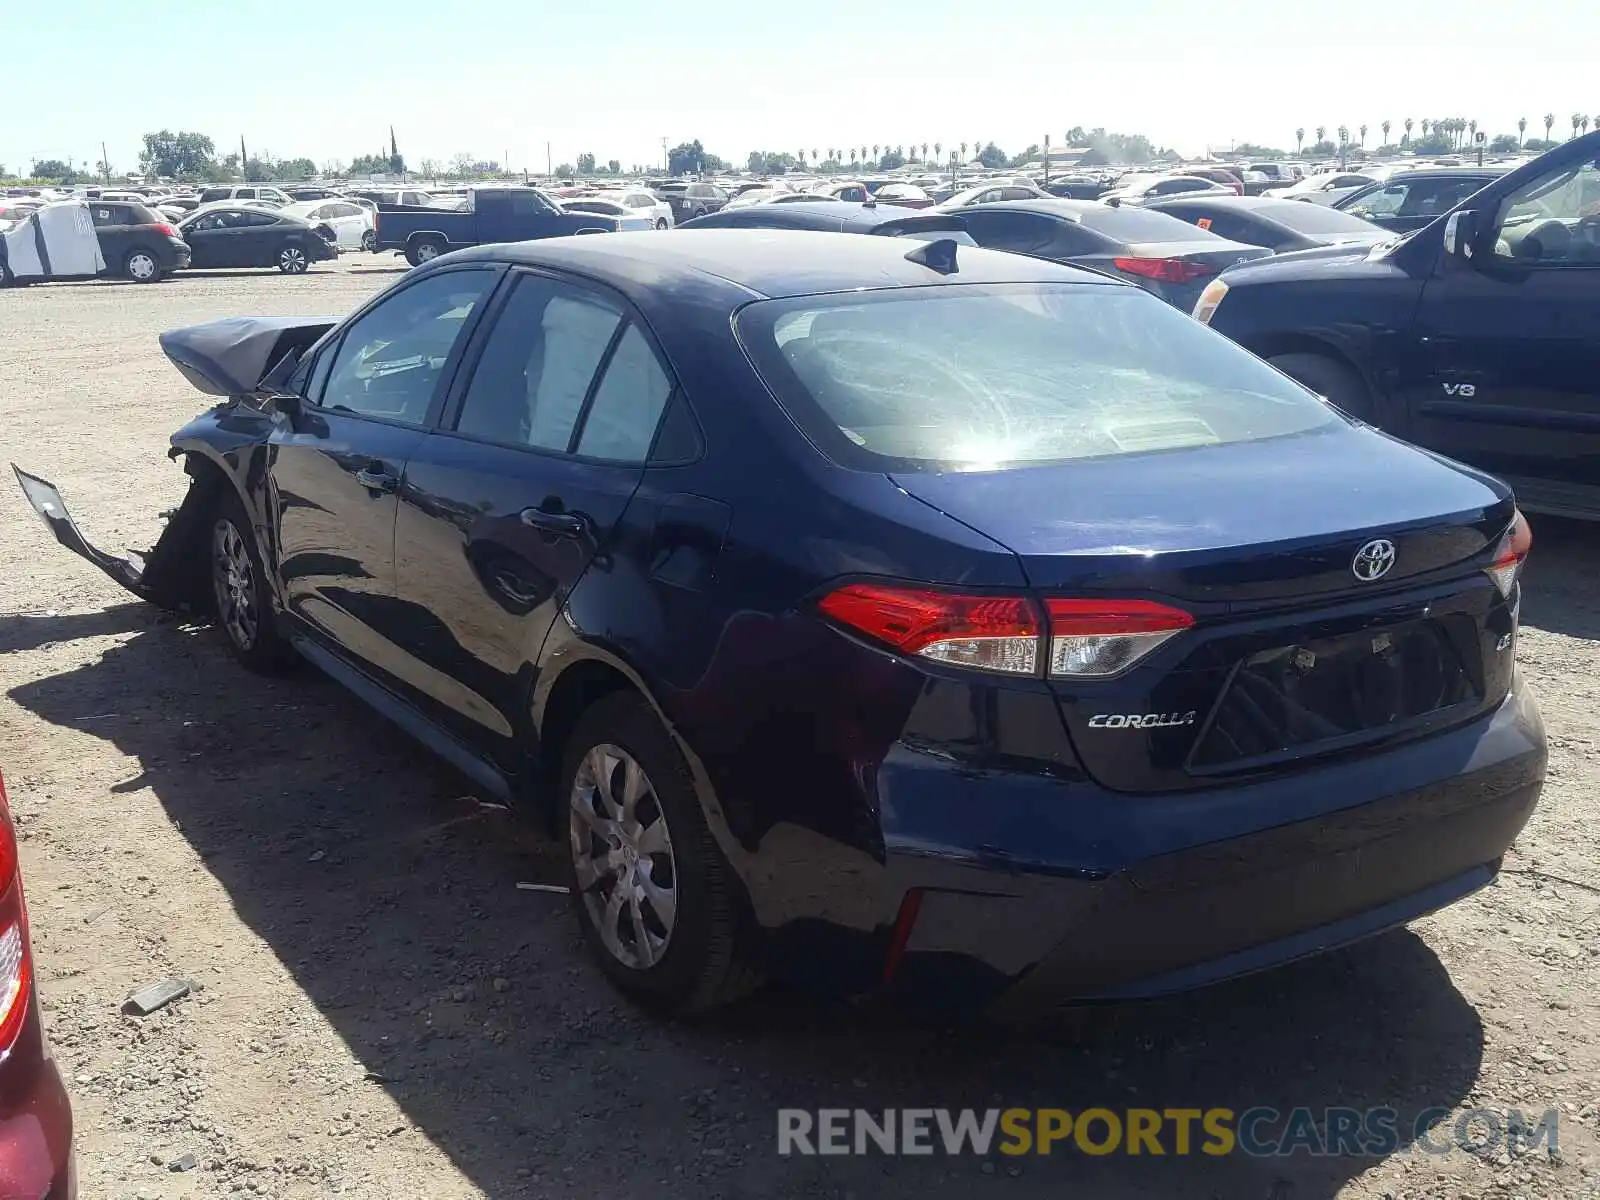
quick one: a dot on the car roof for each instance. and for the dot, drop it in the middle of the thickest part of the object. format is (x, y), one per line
(765, 263)
(1220, 200)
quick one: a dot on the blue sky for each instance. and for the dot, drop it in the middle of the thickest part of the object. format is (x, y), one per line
(326, 80)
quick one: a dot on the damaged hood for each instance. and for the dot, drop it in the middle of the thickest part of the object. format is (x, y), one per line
(230, 357)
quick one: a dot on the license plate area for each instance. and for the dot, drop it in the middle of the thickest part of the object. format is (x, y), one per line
(1320, 695)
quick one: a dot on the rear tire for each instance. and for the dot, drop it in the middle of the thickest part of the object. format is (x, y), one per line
(1336, 381)
(142, 267)
(293, 259)
(369, 241)
(239, 590)
(661, 222)
(424, 250)
(669, 940)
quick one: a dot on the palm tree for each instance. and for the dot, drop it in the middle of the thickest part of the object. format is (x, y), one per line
(1322, 132)
(1576, 118)
(1362, 129)
(1407, 124)
(924, 151)
(900, 152)
(1473, 126)
(1426, 125)
(875, 154)
(1344, 136)
(852, 156)
(830, 153)
(1384, 125)
(963, 152)
(1522, 126)
(1299, 140)
(1549, 121)
(937, 150)
(863, 153)
(1584, 124)
(813, 158)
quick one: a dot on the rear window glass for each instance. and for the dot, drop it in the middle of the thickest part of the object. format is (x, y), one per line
(983, 377)
(1135, 224)
(1315, 218)
(138, 214)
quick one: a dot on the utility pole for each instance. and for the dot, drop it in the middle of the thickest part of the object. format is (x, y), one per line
(666, 162)
(1047, 160)
(105, 163)
(549, 170)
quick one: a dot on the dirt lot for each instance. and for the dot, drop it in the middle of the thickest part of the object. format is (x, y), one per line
(384, 1014)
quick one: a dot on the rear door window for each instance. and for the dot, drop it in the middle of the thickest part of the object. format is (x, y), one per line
(538, 367)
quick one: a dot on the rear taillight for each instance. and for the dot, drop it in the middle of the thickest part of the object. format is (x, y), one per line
(1091, 638)
(164, 229)
(991, 633)
(16, 967)
(1165, 270)
(1071, 639)
(1510, 555)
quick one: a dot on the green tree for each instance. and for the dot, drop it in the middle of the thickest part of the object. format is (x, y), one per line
(54, 170)
(1027, 156)
(992, 156)
(1322, 134)
(586, 163)
(257, 170)
(1505, 143)
(1539, 144)
(177, 155)
(1299, 139)
(1322, 149)
(614, 166)
(564, 171)
(295, 170)
(892, 159)
(397, 163)
(1522, 128)
(1407, 124)
(1549, 120)
(369, 164)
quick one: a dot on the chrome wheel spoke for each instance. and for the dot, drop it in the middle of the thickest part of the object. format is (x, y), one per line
(663, 900)
(654, 839)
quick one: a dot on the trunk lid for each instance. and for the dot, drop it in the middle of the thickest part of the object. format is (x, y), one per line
(1292, 654)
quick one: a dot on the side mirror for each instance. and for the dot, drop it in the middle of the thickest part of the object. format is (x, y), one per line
(1461, 234)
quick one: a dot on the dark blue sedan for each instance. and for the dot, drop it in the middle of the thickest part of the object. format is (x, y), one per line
(893, 616)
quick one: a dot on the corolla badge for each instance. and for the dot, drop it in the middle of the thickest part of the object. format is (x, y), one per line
(1372, 561)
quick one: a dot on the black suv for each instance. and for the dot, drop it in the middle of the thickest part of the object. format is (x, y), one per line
(1477, 337)
(1409, 200)
(135, 242)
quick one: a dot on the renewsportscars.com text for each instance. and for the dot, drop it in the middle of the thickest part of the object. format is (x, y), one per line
(1258, 1132)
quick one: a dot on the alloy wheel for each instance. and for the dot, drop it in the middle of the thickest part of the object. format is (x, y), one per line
(622, 852)
(233, 578)
(141, 266)
(427, 252)
(292, 259)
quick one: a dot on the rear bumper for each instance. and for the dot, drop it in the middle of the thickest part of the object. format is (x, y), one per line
(36, 1154)
(1047, 891)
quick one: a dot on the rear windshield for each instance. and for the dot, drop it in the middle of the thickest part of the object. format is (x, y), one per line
(983, 377)
(1315, 218)
(138, 214)
(1130, 225)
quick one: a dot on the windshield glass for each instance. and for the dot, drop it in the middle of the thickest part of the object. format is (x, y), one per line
(980, 378)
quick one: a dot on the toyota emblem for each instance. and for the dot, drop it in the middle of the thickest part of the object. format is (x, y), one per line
(1372, 561)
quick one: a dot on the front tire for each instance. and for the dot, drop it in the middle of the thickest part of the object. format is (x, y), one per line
(239, 589)
(141, 267)
(369, 241)
(293, 259)
(661, 223)
(1336, 381)
(651, 890)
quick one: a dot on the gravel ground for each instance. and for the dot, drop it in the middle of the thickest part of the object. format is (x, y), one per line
(383, 1013)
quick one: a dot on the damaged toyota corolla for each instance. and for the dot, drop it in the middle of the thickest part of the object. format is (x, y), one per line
(923, 621)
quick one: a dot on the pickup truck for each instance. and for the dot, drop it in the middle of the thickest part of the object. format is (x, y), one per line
(1477, 336)
(497, 214)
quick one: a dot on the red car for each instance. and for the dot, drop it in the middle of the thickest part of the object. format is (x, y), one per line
(36, 1159)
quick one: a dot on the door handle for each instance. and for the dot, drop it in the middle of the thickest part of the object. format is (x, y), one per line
(377, 480)
(562, 524)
